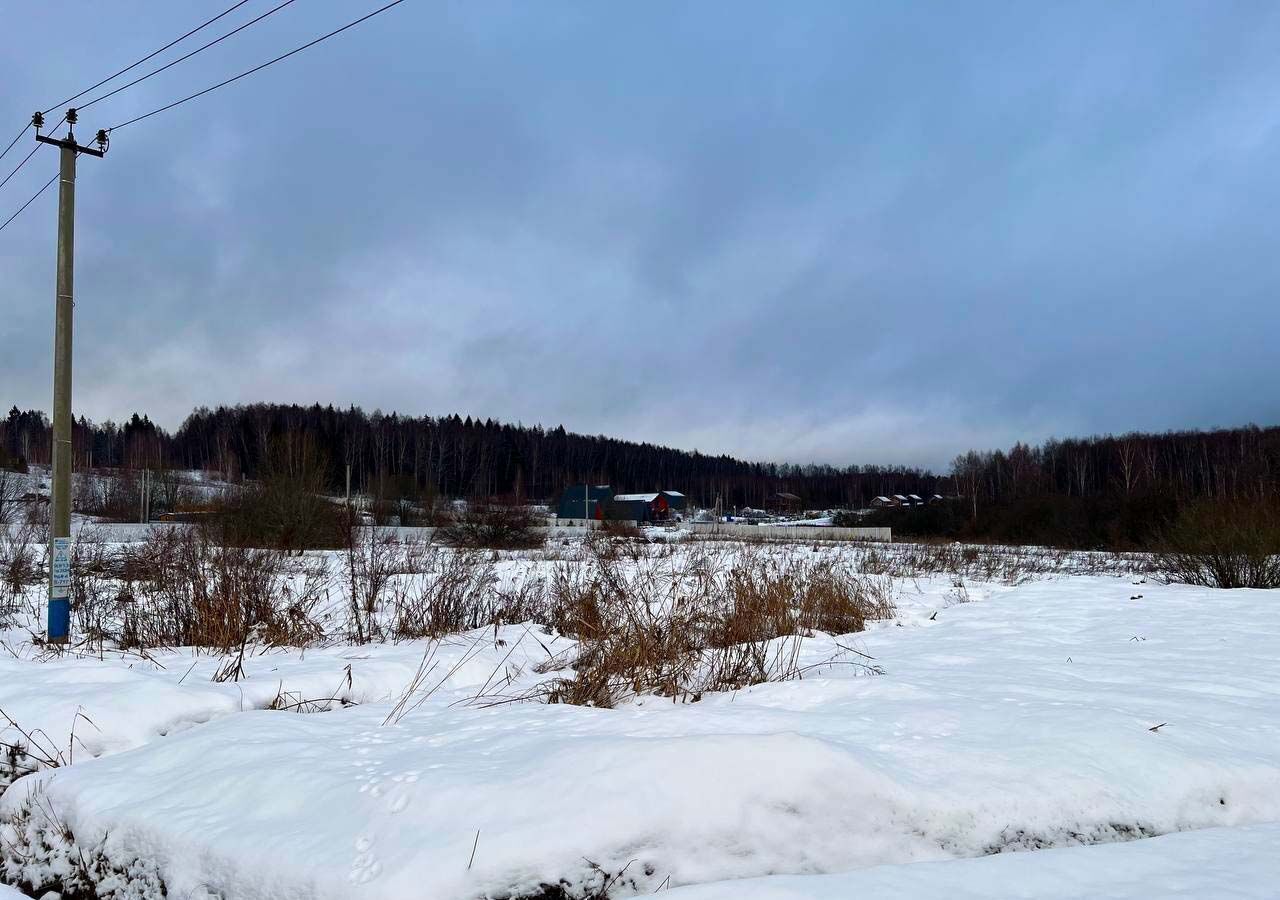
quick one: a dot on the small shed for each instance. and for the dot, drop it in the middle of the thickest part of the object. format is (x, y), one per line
(883, 502)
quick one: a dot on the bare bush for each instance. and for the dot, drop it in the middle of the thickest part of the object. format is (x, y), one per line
(371, 563)
(495, 526)
(721, 621)
(10, 495)
(287, 508)
(458, 594)
(1214, 545)
(115, 495)
(21, 563)
(180, 587)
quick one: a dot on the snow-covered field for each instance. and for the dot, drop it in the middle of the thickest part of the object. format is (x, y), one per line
(1126, 731)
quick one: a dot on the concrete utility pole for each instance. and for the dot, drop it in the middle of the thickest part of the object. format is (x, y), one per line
(59, 625)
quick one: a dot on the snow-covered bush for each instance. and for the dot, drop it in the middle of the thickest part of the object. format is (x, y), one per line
(42, 854)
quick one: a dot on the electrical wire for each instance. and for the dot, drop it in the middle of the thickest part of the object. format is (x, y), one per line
(258, 68)
(14, 141)
(29, 202)
(149, 56)
(127, 68)
(20, 165)
(169, 65)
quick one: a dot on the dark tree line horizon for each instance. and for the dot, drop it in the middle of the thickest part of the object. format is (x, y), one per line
(393, 456)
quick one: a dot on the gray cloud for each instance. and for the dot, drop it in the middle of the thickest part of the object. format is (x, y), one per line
(837, 232)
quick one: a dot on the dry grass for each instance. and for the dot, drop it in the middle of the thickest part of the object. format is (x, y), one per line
(990, 562)
(22, 563)
(458, 594)
(180, 588)
(712, 621)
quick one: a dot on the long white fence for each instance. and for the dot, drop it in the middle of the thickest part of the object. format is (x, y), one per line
(127, 533)
(790, 532)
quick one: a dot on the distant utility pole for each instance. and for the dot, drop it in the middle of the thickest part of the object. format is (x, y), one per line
(60, 526)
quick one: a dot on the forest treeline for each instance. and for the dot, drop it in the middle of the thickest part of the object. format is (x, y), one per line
(1116, 492)
(1102, 490)
(393, 456)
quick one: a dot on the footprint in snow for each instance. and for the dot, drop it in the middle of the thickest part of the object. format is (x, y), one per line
(365, 867)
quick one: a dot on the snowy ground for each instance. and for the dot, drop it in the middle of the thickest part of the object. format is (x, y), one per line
(1211, 864)
(1133, 728)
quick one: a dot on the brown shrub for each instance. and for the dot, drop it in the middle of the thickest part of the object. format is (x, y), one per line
(21, 563)
(724, 621)
(494, 526)
(180, 587)
(1223, 546)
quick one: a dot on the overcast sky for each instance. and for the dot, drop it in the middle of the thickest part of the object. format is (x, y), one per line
(835, 232)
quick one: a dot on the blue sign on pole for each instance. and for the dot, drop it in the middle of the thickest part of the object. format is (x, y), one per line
(60, 590)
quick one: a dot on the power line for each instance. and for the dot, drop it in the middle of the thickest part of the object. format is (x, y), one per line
(128, 68)
(14, 141)
(29, 202)
(131, 66)
(259, 68)
(20, 165)
(169, 65)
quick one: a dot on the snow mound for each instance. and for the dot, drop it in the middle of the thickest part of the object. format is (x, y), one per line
(1056, 714)
(1214, 864)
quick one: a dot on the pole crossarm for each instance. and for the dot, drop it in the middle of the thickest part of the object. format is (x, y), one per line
(67, 144)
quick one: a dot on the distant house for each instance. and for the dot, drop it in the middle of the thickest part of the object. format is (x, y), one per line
(785, 501)
(936, 498)
(653, 507)
(581, 501)
(675, 500)
(897, 501)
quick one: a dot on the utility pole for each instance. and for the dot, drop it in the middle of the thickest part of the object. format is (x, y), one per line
(59, 622)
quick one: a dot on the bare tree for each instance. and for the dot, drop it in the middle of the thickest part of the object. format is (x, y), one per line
(967, 470)
(1127, 451)
(10, 495)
